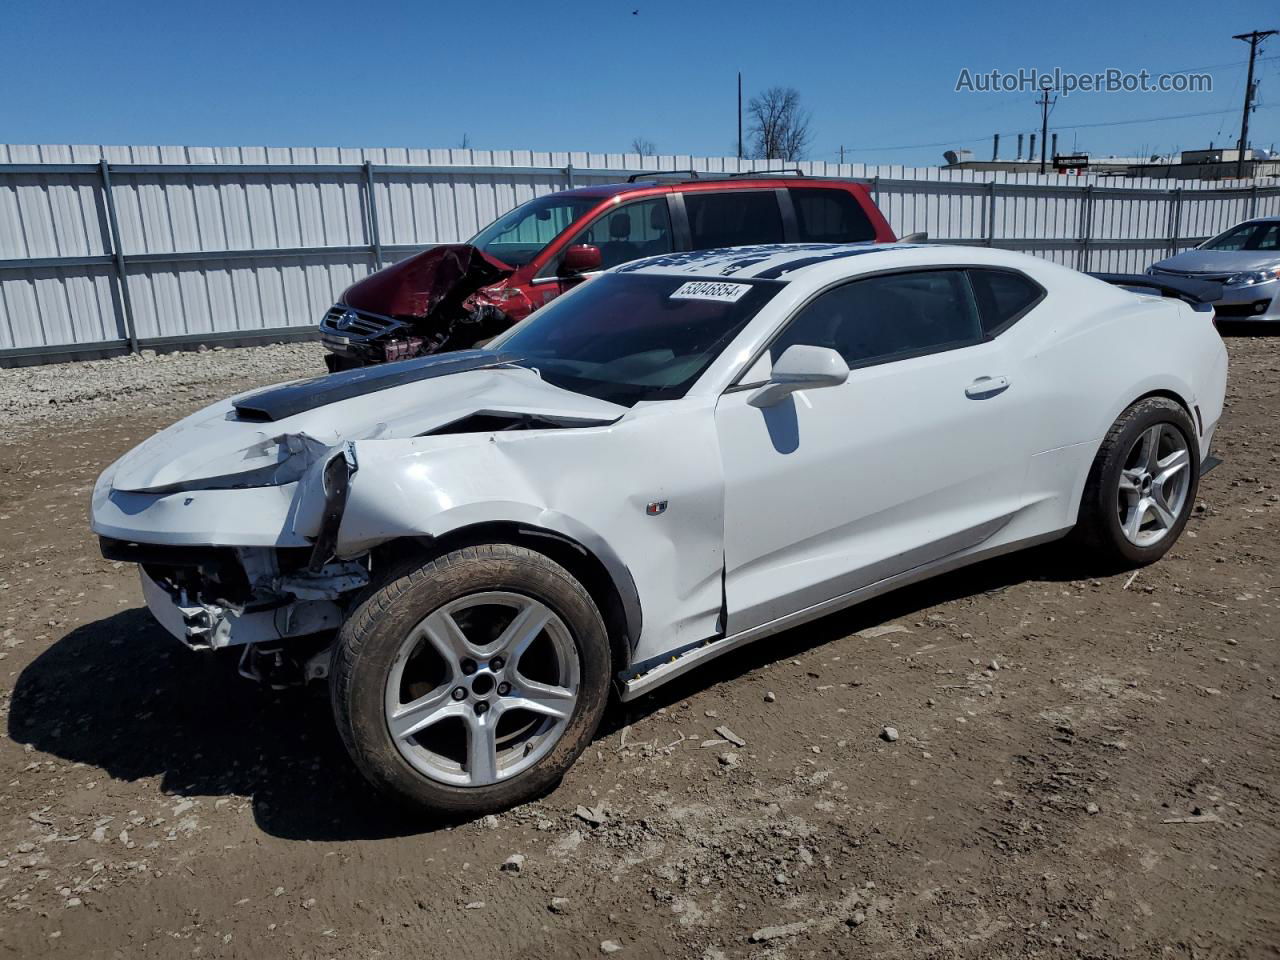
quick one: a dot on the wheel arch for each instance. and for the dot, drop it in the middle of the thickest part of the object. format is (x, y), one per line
(1167, 386)
(610, 586)
(1190, 409)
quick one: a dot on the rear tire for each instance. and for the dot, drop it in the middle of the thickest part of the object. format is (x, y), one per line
(471, 683)
(1142, 485)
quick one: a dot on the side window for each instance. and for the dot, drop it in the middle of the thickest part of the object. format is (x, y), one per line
(1003, 297)
(828, 215)
(629, 232)
(1268, 238)
(887, 317)
(1234, 239)
(732, 218)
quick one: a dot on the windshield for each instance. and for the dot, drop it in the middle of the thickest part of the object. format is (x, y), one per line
(631, 337)
(516, 237)
(1248, 236)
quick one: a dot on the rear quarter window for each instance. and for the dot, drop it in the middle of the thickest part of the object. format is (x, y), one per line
(825, 215)
(1004, 297)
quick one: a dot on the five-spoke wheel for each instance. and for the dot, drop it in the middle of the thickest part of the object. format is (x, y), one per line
(471, 682)
(1142, 484)
(1153, 484)
(500, 674)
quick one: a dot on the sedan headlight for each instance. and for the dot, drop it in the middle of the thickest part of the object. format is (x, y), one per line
(1250, 277)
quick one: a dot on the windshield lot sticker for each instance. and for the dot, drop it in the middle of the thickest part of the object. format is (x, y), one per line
(711, 290)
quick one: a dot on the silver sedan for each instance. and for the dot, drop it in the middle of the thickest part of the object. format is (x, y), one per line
(1245, 260)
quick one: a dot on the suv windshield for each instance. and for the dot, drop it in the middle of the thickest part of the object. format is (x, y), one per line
(516, 237)
(631, 337)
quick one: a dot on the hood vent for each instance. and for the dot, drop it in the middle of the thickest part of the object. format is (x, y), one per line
(279, 403)
(495, 421)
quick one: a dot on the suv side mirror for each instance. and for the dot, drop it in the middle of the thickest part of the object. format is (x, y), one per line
(580, 258)
(801, 367)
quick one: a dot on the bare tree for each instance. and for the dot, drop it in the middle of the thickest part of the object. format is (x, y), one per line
(779, 127)
(644, 147)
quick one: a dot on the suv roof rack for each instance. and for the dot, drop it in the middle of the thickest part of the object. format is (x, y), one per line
(759, 173)
(655, 174)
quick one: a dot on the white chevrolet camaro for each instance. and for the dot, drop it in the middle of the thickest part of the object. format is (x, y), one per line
(682, 455)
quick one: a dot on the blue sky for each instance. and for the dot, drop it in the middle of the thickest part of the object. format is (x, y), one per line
(592, 76)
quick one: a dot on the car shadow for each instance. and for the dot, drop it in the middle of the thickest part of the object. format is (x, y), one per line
(120, 695)
(1246, 328)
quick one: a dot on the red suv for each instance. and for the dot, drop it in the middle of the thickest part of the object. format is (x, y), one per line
(456, 295)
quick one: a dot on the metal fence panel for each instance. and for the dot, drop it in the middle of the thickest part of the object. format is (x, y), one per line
(195, 242)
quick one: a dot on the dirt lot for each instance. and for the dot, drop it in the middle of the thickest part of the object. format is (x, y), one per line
(1085, 767)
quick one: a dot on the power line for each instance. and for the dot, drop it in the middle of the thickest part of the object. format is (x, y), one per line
(1214, 66)
(1226, 114)
(956, 141)
(1061, 126)
(1121, 123)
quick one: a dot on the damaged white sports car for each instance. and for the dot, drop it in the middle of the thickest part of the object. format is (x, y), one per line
(683, 455)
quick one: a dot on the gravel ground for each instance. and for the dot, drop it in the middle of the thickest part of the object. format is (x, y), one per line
(1080, 766)
(57, 393)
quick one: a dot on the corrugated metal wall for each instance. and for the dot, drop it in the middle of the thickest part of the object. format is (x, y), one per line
(267, 238)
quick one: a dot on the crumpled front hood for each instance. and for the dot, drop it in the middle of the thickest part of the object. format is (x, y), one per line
(1221, 261)
(417, 286)
(218, 448)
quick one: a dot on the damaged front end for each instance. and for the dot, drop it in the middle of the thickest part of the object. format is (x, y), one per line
(240, 515)
(280, 603)
(450, 297)
(215, 597)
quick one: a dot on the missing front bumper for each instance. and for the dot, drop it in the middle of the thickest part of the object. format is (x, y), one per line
(209, 626)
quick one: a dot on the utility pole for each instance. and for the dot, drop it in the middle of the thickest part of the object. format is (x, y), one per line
(842, 154)
(1045, 104)
(739, 114)
(1254, 37)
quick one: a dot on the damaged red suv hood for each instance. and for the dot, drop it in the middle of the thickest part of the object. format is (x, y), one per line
(419, 285)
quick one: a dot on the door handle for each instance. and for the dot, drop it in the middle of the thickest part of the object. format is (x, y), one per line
(985, 387)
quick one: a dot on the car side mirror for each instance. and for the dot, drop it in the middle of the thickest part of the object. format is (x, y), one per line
(580, 258)
(801, 367)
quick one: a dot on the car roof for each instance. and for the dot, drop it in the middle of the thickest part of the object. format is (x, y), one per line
(820, 261)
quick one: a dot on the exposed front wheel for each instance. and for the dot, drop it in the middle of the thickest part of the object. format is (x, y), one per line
(1142, 485)
(473, 682)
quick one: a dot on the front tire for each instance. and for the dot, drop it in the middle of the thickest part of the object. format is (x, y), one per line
(471, 683)
(1142, 485)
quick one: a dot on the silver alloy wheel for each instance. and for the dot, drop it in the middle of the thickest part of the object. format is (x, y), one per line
(482, 688)
(1153, 485)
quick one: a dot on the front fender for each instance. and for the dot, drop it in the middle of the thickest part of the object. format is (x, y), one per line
(371, 527)
(593, 486)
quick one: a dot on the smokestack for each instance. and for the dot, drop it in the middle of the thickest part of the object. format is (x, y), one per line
(1031, 154)
(1054, 151)
(1019, 156)
(995, 148)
